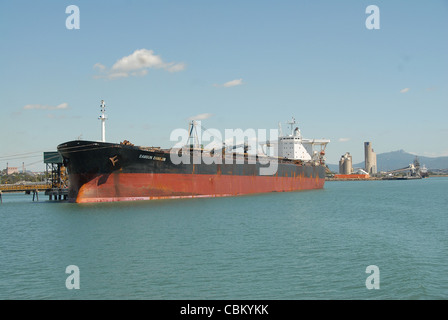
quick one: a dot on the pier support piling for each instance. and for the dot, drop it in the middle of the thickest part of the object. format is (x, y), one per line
(36, 195)
(57, 194)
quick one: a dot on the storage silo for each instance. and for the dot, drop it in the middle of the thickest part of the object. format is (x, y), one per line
(370, 158)
(345, 164)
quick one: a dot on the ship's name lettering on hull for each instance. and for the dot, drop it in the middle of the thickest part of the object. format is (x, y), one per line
(148, 157)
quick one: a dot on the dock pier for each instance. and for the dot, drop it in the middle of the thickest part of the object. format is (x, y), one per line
(55, 185)
(58, 190)
(57, 194)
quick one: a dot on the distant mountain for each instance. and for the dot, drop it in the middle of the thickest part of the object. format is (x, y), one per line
(399, 159)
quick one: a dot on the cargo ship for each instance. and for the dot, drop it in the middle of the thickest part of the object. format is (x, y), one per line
(103, 171)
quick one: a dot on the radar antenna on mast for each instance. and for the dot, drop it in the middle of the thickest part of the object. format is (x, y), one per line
(103, 118)
(292, 123)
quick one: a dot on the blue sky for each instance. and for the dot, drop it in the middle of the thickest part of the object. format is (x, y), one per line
(247, 64)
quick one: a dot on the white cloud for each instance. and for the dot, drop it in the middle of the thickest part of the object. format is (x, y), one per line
(404, 90)
(343, 139)
(46, 107)
(137, 64)
(115, 75)
(233, 83)
(175, 67)
(139, 73)
(201, 116)
(139, 59)
(99, 66)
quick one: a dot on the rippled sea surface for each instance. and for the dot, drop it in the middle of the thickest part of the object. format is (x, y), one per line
(289, 246)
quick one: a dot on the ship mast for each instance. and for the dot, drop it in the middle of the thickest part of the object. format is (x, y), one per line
(292, 123)
(103, 118)
(193, 138)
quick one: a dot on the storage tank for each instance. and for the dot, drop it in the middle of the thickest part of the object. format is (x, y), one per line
(345, 164)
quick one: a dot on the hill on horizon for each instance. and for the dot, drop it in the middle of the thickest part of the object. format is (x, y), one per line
(399, 159)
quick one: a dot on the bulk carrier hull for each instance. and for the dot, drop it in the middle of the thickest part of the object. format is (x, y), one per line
(102, 172)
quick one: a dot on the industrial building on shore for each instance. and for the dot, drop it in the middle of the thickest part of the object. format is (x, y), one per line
(346, 170)
(345, 164)
(370, 159)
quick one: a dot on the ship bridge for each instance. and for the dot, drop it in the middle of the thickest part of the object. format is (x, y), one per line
(294, 146)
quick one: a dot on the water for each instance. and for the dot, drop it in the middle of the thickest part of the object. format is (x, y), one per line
(289, 246)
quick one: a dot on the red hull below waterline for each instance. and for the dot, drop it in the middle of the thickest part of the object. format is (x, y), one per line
(148, 186)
